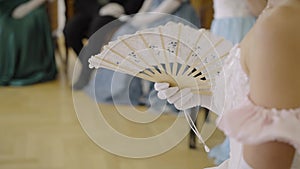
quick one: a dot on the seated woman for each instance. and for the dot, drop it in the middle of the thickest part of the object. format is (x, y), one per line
(90, 16)
(26, 50)
(262, 109)
(109, 86)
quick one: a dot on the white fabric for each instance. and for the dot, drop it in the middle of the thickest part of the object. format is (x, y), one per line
(142, 19)
(112, 9)
(168, 6)
(124, 18)
(25, 8)
(145, 7)
(236, 81)
(242, 121)
(237, 89)
(231, 8)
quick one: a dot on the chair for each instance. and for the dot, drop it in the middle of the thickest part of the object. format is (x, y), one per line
(52, 9)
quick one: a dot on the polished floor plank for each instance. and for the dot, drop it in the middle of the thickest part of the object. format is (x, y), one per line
(39, 130)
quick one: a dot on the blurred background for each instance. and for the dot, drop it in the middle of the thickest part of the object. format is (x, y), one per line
(39, 128)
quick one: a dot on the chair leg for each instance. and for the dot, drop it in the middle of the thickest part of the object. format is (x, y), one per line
(66, 62)
(63, 57)
(192, 138)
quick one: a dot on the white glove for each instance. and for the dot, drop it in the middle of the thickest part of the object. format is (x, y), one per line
(112, 9)
(183, 99)
(25, 8)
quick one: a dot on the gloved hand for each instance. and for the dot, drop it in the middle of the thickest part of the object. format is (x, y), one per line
(25, 8)
(112, 9)
(182, 99)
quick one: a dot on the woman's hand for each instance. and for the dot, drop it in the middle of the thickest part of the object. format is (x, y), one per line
(112, 9)
(25, 8)
(182, 98)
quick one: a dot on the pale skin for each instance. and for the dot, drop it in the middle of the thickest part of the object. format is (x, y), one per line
(256, 6)
(270, 55)
(25, 8)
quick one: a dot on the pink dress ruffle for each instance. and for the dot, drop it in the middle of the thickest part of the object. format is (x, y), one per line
(252, 124)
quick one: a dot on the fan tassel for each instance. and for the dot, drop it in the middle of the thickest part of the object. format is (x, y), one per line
(195, 130)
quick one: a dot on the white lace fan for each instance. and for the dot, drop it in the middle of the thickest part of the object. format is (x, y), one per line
(173, 53)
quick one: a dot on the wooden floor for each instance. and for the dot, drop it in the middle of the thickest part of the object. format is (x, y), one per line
(39, 130)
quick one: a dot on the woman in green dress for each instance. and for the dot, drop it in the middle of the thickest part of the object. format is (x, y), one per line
(26, 47)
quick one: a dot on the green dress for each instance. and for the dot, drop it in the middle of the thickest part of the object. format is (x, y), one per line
(26, 46)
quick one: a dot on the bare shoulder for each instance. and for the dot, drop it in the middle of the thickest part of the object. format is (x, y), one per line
(276, 30)
(274, 58)
(279, 24)
(273, 61)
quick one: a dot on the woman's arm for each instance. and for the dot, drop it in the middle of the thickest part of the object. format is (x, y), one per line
(275, 155)
(256, 6)
(168, 6)
(273, 62)
(145, 6)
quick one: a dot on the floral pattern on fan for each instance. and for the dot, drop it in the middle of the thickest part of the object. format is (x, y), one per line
(175, 53)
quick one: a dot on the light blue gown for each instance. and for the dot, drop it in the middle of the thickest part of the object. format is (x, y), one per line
(112, 87)
(233, 29)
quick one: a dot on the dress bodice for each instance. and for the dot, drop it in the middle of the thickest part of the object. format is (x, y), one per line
(231, 8)
(247, 123)
(236, 81)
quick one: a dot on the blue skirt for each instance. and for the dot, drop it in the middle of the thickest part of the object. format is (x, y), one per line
(112, 87)
(233, 29)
